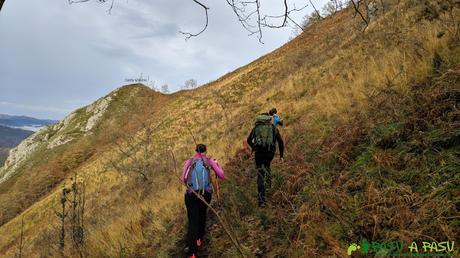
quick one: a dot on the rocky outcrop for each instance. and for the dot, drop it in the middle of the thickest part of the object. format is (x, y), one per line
(97, 110)
(62, 127)
(77, 124)
(20, 153)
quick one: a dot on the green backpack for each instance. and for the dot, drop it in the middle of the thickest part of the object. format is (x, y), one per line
(264, 137)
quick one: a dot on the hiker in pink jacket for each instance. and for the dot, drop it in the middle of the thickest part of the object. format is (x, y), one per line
(196, 175)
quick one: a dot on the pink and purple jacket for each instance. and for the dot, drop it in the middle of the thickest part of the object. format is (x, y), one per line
(213, 163)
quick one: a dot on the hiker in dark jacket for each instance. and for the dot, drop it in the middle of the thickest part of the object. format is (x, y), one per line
(262, 140)
(196, 175)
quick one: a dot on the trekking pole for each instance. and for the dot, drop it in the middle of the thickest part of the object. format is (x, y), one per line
(219, 218)
(217, 188)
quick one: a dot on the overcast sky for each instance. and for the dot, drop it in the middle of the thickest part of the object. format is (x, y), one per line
(58, 57)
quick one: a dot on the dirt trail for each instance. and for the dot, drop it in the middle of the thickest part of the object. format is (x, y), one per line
(203, 250)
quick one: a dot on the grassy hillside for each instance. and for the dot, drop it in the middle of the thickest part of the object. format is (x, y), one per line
(392, 175)
(46, 158)
(372, 149)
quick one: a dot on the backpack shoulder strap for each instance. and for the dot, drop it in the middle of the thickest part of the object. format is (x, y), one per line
(253, 133)
(192, 163)
(206, 162)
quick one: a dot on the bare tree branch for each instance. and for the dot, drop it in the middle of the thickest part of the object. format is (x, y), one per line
(188, 35)
(258, 21)
(21, 244)
(316, 10)
(296, 24)
(285, 16)
(356, 6)
(1, 4)
(248, 12)
(100, 1)
(253, 19)
(286, 8)
(77, 1)
(111, 7)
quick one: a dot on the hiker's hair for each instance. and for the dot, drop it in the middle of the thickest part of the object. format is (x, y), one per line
(272, 111)
(200, 148)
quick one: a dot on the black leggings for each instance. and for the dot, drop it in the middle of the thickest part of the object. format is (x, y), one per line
(196, 212)
(264, 176)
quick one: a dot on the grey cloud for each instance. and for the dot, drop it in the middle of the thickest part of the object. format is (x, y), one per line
(62, 57)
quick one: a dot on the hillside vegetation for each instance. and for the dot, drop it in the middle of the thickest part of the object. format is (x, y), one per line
(372, 134)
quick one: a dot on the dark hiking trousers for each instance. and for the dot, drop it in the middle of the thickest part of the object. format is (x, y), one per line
(196, 213)
(264, 177)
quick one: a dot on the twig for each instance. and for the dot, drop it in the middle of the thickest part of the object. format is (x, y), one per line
(22, 237)
(174, 162)
(418, 234)
(1, 4)
(111, 7)
(251, 17)
(234, 240)
(219, 218)
(188, 35)
(359, 12)
(109, 11)
(259, 21)
(316, 10)
(296, 24)
(286, 16)
(285, 13)
(193, 136)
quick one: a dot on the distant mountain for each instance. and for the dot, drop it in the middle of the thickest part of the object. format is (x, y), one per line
(14, 129)
(24, 122)
(3, 155)
(11, 137)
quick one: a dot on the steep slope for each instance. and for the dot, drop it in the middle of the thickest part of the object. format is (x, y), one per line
(383, 177)
(43, 160)
(354, 104)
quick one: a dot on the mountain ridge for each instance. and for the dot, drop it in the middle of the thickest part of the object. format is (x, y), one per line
(77, 129)
(11, 137)
(24, 122)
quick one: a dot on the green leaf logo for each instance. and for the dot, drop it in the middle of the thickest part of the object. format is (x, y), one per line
(353, 247)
